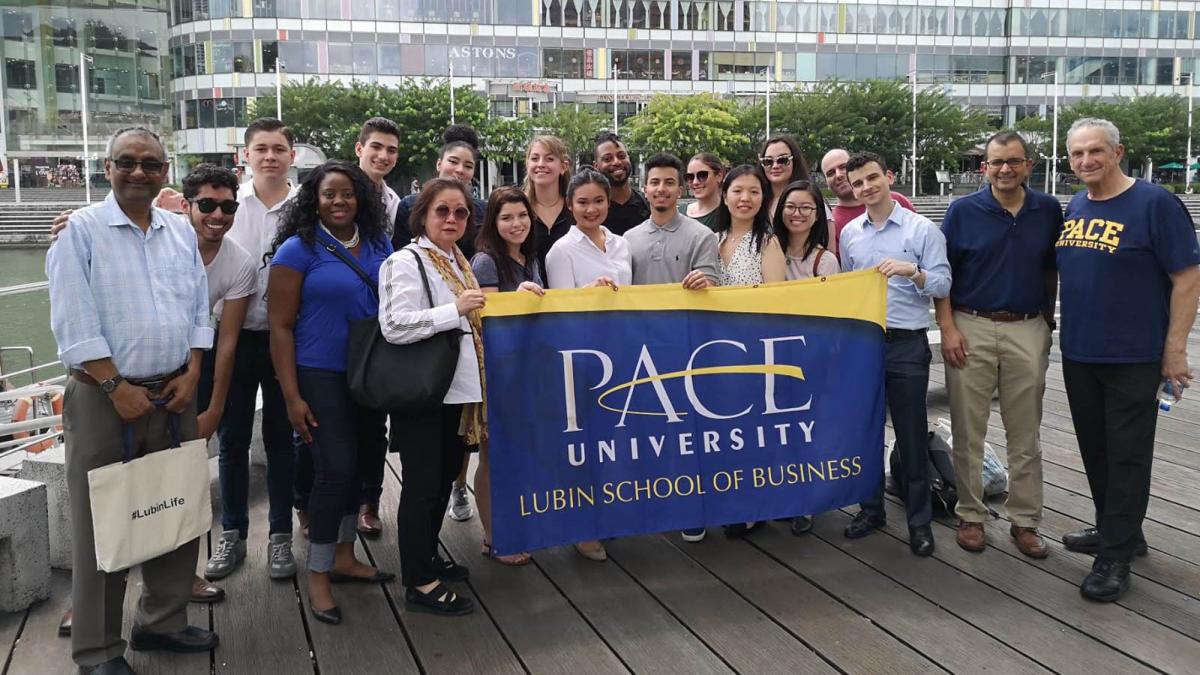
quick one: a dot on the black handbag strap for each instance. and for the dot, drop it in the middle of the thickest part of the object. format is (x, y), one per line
(371, 284)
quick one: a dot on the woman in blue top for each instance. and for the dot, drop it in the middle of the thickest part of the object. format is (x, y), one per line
(314, 296)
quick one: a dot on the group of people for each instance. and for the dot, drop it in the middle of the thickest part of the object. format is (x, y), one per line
(254, 289)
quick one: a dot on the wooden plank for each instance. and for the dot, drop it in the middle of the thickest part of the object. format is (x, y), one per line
(259, 622)
(547, 633)
(712, 610)
(369, 634)
(1023, 628)
(646, 637)
(938, 635)
(1126, 631)
(817, 618)
(39, 649)
(10, 629)
(462, 644)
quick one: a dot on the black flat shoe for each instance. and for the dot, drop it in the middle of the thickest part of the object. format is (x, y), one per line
(862, 525)
(448, 571)
(331, 616)
(117, 666)
(1108, 580)
(439, 600)
(801, 525)
(377, 578)
(1088, 541)
(920, 540)
(190, 639)
(739, 530)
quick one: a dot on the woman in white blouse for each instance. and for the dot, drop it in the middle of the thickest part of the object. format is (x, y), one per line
(430, 445)
(588, 255)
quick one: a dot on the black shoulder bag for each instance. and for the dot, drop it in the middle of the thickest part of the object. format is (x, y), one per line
(403, 378)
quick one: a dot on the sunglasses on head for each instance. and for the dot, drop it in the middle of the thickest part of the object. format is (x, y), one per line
(782, 160)
(208, 205)
(442, 211)
(701, 176)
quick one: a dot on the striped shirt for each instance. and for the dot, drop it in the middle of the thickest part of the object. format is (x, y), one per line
(140, 298)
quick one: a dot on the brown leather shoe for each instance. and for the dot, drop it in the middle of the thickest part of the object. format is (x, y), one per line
(1029, 541)
(369, 524)
(64, 626)
(202, 591)
(970, 536)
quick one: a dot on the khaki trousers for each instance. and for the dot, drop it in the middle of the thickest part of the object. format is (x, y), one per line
(1012, 357)
(92, 432)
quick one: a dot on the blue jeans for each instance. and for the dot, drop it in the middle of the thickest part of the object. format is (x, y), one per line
(346, 434)
(906, 382)
(252, 370)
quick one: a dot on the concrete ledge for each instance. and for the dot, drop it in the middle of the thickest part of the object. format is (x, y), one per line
(24, 544)
(50, 468)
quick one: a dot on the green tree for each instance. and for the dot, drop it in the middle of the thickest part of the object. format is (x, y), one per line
(327, 115)
(685, 125)
(505, 139)
(576, 126)
(422, 111)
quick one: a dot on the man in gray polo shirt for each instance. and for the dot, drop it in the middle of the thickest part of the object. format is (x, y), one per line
(669, 247)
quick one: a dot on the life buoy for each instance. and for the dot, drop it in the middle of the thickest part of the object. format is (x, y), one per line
(22, 411)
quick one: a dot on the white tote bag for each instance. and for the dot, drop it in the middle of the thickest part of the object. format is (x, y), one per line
(149, 506)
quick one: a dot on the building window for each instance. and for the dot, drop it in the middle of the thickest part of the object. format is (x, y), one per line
(517, 12)
(638, 14)
(229, 112)
(20, 74)
(66, 78)
(63, 33)
(681, 64)
(693, 14)
(270, 52)
(562, 63)
(105, 37)
(341, 60)
(147, 43)
(364, 59)
(552, 13)
(389, 59)
(18, 26)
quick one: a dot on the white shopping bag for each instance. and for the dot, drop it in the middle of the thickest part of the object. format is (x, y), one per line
(149, 506)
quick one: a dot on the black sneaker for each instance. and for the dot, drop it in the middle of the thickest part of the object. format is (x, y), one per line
(1107, 582)
(863, 523)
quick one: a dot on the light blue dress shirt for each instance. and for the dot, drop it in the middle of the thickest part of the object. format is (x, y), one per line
(139, 298)
(906, 236)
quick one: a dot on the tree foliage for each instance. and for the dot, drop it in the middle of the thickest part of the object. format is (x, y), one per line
(576, 126)
(685, 125)
(505, 139)
(1152, 127)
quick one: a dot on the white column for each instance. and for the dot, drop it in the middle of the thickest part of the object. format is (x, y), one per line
(83, 117)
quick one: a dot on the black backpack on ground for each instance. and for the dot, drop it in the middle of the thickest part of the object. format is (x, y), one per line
(941, 474)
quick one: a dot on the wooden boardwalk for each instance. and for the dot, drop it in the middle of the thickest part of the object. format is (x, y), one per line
(772, 603)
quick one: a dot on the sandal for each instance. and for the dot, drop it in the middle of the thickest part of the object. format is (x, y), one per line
(514, 560)
(439, 600)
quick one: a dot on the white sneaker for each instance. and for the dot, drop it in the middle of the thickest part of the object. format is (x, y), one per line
(460, 504)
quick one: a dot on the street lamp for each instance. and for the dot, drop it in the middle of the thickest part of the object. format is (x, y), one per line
(279, 68)
(770, 78)
(1054, 138)
(912, 78)
(84, 59)
(1187, 171)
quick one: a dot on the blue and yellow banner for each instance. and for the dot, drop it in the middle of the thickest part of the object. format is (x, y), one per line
(653, 408)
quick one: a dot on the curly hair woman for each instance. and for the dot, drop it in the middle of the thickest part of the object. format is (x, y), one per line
(331, 235)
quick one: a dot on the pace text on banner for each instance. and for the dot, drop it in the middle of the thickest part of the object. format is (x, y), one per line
(654, 408)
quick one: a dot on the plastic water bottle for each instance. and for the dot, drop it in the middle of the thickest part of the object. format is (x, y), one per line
(1166, 396)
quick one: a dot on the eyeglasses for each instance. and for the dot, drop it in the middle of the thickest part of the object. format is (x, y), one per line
(701, 176)
(782, 160)
(208, 205)
(804, 209)
(1014, 163)
(127, 165)
(442, 211)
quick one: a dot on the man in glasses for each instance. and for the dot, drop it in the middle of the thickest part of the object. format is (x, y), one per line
(996, 328)
(848, 207)
(627, 208)
(669, 247)
(129, 309)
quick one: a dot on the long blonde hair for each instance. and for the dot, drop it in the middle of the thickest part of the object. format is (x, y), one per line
(557, 148)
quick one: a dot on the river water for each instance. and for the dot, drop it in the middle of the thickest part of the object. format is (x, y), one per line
(25, 317)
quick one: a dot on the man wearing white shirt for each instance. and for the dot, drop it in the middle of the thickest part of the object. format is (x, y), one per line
(261, 204)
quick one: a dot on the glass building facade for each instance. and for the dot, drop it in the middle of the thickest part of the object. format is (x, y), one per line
(193, 66)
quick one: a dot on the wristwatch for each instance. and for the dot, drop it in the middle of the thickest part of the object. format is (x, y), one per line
(916, 273)
(110, 385)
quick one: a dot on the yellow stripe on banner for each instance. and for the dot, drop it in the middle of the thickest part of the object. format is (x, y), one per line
(854, 295)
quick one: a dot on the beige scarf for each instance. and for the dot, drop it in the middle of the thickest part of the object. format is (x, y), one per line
(474, 418)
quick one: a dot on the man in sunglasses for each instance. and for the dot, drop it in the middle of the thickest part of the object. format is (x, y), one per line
(996, 327)
(129, 309)
(627, 208)
(847, 208)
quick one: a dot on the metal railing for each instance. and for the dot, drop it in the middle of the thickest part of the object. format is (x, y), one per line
(39, 427)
